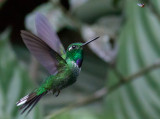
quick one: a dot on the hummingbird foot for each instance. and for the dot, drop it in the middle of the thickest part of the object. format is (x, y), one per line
(58, 92)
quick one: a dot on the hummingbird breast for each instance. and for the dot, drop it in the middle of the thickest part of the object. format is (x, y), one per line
(65, 77)
(75, 70)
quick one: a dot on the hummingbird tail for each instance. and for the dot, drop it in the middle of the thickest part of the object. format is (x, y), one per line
(29, 101)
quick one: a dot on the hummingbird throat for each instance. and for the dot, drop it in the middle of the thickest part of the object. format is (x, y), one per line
(75, 58)
(79, 62)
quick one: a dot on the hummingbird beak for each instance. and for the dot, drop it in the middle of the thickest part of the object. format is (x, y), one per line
(89, 41)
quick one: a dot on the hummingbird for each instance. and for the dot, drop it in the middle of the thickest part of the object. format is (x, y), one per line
(63, 67)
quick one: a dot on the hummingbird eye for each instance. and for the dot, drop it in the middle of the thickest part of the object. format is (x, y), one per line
(73, 47)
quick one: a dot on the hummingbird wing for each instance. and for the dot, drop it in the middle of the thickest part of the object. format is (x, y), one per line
(49, 58)
(48, 35)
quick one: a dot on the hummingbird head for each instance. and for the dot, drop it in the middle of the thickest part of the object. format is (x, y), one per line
(75, 52)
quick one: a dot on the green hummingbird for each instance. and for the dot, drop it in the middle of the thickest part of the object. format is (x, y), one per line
(49, 51)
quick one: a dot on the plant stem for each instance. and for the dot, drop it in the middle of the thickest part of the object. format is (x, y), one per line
(92, 98)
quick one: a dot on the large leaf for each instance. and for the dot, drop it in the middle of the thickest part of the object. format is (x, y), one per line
(14, 82)
(90, 10)
(139, 47)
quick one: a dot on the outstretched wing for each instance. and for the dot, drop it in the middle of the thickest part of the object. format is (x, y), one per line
(49, 58)
(47, 34)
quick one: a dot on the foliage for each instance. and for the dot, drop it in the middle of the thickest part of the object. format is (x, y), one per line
(139, 47)
(129, 41)
(14, 81)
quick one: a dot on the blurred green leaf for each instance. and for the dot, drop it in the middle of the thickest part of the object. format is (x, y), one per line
(139, 47)
(155, 4)
(14, 81)
(90, 10)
